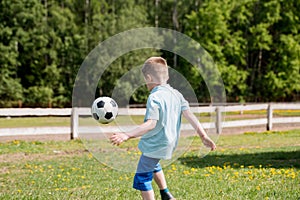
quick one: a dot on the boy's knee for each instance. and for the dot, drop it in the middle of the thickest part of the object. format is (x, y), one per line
(157, 168)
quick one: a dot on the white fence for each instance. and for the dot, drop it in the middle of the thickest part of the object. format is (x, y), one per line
(218, 124)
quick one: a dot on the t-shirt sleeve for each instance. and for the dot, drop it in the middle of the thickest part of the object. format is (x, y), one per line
(152, 110)
(184, 104)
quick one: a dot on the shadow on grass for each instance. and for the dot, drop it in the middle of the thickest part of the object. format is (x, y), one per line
(278, 159)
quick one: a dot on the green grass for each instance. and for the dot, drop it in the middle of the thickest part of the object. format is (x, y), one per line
(34, 122)
(249, 166)
(59, 121)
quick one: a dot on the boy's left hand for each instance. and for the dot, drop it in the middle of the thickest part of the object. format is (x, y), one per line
(208, 143)
(118, 138)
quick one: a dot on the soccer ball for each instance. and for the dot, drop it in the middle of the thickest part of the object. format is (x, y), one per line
(104, 110)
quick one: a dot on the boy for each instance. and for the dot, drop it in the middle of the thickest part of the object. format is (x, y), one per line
(161, 129)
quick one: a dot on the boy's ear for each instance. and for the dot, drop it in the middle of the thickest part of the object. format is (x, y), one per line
(149, 77)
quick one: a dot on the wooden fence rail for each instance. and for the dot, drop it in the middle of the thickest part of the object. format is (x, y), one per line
(218, 124)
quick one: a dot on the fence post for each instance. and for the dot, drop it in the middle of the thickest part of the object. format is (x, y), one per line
(218, 120)
(74, 123)
(270, 117)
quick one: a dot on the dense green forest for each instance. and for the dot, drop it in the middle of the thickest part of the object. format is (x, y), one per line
(254, 43)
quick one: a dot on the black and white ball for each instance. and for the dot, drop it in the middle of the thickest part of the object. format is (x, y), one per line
(104, 110)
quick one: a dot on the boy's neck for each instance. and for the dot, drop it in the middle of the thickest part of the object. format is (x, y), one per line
(153, 85)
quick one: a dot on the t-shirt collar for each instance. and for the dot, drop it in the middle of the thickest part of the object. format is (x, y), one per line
(156, 88)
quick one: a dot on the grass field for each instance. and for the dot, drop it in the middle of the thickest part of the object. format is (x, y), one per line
(249, 166)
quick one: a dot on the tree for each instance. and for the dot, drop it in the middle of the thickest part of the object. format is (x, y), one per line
(281, 80)
(43, 43)
(126, 15)
(209, 26)
(255, 45)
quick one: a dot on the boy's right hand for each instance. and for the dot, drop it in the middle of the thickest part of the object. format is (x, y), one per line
(118, 138)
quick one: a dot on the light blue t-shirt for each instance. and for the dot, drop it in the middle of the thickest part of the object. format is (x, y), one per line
(164, 104)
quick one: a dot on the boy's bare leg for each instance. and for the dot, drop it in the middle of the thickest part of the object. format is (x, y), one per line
(148, 195)
(160, 180)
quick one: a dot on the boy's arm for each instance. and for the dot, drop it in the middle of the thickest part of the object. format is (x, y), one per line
(197, 126)
(118, 138)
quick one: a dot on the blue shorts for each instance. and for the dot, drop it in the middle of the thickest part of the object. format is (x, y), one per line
(144, 173)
